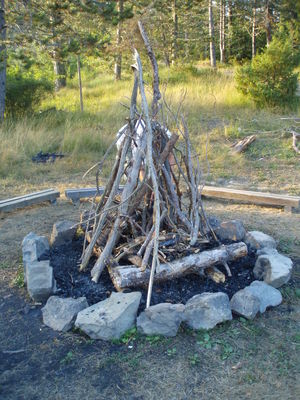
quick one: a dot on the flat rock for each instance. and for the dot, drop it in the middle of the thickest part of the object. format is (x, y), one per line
(63, 232)
(267, 295)
(231, 230)
(206, 310)
(34, 248)
(245, 303)
(110, 318)
(162, 319)
(60, 313)
(258, 240)
(274, 268)
(40, 280)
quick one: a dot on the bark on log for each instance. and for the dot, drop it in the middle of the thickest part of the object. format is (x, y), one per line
(130, 276)
(240, 146)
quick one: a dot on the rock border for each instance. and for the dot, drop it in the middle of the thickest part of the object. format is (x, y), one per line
(111, 318)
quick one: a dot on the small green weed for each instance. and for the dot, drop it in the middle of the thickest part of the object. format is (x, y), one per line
(171, 352)
(227, 350)
(194, 359)
(68, 358)
(128, 336)
(204, 340)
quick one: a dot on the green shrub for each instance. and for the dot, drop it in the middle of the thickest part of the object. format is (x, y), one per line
(269, 80)
(24, 93)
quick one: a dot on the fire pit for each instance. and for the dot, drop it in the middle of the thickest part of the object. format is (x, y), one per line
(152, 245)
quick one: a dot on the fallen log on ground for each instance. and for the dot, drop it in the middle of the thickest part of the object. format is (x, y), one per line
(130, 276)
(240, 146)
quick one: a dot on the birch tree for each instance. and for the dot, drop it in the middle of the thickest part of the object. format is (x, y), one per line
(212, 51)
(2, 60)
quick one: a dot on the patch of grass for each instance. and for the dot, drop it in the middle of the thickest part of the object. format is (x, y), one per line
(19, 278)
(154, 339)
(127, 337)
(290, 294)
(5, 265)
(216, 114)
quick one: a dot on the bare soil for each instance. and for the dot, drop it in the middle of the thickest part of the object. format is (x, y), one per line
(238, 360)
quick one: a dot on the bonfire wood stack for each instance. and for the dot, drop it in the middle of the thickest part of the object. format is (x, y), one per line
(153, 230)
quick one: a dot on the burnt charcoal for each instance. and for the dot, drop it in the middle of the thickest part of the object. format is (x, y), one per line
(65, 261)
(41, 157)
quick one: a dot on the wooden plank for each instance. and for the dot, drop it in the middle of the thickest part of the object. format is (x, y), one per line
(76, 194)
(251, 197)
(29, 199)
(26, 195)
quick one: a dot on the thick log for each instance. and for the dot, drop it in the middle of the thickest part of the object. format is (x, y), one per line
(130, 276)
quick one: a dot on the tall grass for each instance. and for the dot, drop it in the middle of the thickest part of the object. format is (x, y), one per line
(216, 113)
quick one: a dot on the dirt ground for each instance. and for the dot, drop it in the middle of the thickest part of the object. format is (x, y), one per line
(238, 360)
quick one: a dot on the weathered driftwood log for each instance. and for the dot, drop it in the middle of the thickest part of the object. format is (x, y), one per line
(131, 276)
(240, 146)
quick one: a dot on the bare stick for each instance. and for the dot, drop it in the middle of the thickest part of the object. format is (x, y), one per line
(156, 91)
(153, 178)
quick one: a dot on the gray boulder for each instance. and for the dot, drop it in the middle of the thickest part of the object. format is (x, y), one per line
(274, 268)
(59, 313)
(40, 280)
(162, 319)
(206, 310)
(110, 318)
(34, 248)
(231, 230)
(258, 240)
(267, 295)
(63, 232)
(245, 303)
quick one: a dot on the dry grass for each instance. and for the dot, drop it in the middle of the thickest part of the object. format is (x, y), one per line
(216, 113)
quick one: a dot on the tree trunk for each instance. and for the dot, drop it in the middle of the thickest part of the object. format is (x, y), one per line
(132, 276)
(254, 29)
(222, 31)
(2, 60)
(79, 83)
(229, 28)
(165, 51)
(175, 32)
(60, 74)
(268, 22)
(118, 63)
(211, 35)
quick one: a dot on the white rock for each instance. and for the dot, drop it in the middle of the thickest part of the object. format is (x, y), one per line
(40, 280)
(110, 318)
(63, 232)
(162, 319)
(245, 303)
(274, 268)
(60, 313)
(34, 247)
(258, 240)
(206, 310)
(267, 295)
